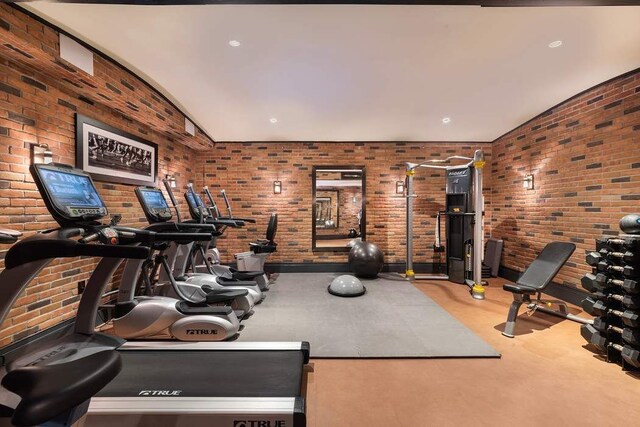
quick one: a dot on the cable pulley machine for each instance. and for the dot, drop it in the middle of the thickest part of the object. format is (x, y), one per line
(463, 213)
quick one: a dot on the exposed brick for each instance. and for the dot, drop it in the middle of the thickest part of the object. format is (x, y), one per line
(10, 89)
(34, 83)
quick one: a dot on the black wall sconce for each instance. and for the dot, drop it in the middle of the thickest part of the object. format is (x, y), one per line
(277, 187)
(40, 153)
(399, 187)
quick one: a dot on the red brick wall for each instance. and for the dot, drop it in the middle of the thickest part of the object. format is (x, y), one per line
(39, 107)
(247, 171)
(585, 157)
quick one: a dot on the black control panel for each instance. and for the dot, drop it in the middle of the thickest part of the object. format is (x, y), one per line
(196, 205)
(154, 205)
(69, 193)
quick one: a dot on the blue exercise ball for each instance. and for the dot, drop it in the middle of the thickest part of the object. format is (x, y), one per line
(366, 260)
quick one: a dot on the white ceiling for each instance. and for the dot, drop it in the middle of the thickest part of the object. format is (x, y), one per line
(368, 73)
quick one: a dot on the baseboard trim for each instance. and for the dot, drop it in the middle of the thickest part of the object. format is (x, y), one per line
(339, 267)
(556, 290)
(16, 349)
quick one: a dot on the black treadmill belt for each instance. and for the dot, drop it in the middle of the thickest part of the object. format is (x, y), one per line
(208, 374)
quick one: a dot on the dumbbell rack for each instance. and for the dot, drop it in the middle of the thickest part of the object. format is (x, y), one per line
(616, 301)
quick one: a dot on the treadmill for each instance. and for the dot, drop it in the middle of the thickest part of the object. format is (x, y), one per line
(161, 383)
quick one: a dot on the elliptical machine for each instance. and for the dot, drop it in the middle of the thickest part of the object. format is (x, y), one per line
(201, 289)
(197, 259)
(259, 250)
(73, 201)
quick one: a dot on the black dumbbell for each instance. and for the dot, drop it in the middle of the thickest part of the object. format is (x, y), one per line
(593, 336)
(600, 281)
(628, 301)
(629, 354)
(630, 336)
(628, 243)
(627, 271)
(593, 258)
(594, 307)
(628, 256)
(598, 308)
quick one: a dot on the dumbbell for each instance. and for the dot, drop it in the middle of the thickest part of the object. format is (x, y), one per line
(628, 243)
(628, 301)
(593, 336)
(598, 308)
(630, 336)
(627, 271)
(593, 258)
(600, 281)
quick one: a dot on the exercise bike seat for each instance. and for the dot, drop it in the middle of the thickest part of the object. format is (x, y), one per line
(245, 275)
(51, 390)
(263, 247)
(519, 289)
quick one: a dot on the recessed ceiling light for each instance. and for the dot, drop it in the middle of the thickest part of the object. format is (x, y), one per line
(446, 120)
(555, 44)
(273, 120)
(234, 43)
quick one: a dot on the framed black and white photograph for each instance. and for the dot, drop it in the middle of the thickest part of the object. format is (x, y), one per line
(112, 155)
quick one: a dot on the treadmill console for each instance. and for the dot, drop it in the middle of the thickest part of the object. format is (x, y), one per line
(69, 193)
(195, 203)
(154, 204)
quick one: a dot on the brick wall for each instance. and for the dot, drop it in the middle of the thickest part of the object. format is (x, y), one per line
(39, 106)
(247, 171)
(585, 157)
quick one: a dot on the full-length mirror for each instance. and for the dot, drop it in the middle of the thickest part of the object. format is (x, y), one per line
(338, 206)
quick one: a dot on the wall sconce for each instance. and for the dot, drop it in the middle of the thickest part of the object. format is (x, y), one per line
(173, 182)
(355, 199)
(399, 187)
(277, 187)
(40, 153)
(527, 183)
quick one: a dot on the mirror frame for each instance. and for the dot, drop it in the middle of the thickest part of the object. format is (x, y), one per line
(363, 220)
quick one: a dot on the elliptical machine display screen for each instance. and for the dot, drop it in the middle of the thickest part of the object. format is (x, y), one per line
(74, 193)
(195, 204)
(154, 204)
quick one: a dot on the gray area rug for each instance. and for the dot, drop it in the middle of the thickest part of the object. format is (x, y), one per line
(392, 320)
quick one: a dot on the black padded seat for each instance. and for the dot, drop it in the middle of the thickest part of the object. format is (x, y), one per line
(263, 247)
(518, 289)
(190, 308)
(51, 390)
(535, 279)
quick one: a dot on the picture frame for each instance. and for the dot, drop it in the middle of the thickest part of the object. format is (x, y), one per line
(112, 155)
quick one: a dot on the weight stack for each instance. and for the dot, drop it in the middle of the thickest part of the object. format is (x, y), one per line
(614, 284)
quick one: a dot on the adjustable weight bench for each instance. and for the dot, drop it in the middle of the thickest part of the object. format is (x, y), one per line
(533, 282)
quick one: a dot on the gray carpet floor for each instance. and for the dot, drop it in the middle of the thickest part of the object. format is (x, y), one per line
(392, 320)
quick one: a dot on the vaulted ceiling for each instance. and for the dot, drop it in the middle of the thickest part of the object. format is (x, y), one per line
(367, 73)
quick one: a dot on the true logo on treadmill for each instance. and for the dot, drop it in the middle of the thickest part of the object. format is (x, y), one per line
(259, 423)
(202, 332)
(160, 393)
